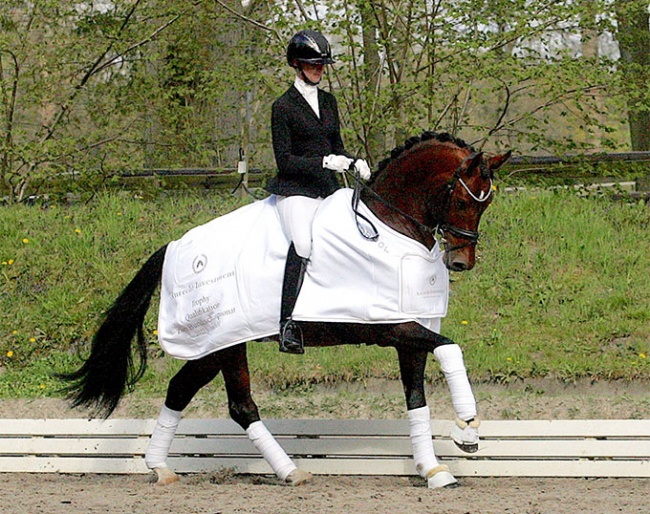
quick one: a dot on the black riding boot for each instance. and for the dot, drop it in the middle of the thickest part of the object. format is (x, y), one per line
(290, 332)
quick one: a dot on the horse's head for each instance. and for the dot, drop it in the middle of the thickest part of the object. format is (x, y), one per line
(460, 205)
(437, 184)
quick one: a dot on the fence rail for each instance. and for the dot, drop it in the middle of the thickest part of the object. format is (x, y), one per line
(517, 160)
(573, 448)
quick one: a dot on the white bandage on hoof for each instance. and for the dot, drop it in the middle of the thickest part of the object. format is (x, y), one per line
(452, 365)
(441, 477)
(465, 434)
(165, 476)
(298, 477)
(421, 440)
(161, 440)
(272, 452)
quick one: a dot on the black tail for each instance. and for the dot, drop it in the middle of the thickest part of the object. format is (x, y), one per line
(110, 368)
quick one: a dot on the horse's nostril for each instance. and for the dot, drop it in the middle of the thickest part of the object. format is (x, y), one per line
(459, 266)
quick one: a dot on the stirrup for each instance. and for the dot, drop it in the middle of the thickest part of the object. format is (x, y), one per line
(291, 338)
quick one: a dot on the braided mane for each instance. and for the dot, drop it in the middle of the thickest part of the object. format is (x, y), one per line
(442, 137)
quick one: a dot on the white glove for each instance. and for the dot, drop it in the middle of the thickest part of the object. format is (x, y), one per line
(362, 168)
(339, 163)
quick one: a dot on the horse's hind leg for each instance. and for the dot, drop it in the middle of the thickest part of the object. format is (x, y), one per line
(180, 391)
(244, 411)
(412, 364)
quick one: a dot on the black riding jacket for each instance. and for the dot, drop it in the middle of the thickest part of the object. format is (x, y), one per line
(300, 141)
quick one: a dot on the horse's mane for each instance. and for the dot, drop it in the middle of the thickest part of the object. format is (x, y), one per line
(442, 137)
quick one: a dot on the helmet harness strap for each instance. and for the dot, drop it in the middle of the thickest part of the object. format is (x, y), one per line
(303, 76)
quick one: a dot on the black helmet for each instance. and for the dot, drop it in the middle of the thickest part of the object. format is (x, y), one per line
(309, 46)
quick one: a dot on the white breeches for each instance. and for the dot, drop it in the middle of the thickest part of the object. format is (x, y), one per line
(296, 216)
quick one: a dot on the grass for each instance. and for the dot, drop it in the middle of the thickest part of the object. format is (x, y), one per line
(561, 290)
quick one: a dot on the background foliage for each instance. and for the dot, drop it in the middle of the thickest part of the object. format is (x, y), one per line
(92, 88)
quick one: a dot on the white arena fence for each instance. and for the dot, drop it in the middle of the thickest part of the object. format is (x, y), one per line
(540, 448)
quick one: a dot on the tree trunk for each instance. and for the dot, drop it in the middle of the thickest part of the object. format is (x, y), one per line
(590, 51)
(375, 137)
(634, 44)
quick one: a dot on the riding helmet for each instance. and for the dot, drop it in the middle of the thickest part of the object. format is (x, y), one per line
(309, 46)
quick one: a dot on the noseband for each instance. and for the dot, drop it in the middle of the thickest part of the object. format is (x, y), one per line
(471, 236)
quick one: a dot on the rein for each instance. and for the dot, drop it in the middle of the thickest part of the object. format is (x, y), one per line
(471, 236)
(374, 235)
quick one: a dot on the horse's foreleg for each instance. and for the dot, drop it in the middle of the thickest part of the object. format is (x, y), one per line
(412, 364)
(182, 388)
(244, 412)
(465, 432)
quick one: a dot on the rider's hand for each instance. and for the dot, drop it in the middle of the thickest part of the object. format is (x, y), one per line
(339, 163)
(362, 168)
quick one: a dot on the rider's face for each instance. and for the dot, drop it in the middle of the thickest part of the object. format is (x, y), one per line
(314, 72)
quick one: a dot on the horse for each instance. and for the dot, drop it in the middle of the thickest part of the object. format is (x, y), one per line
(435, 186)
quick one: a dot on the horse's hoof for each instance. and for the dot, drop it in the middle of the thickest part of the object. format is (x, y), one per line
(165, 476)
(467, 448)
(452, 485)
(298, 477)
(440, 477)
(465, 435)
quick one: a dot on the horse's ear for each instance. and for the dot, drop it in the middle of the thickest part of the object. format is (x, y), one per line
(495, 162)
(470, 163)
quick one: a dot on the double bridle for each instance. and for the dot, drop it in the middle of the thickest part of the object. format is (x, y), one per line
(471, 236)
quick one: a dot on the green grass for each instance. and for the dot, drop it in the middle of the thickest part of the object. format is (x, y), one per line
(561, 289)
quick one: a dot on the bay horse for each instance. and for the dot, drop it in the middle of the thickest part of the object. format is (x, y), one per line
(433, 184)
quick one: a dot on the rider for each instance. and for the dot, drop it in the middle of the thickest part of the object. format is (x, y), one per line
(308, 152)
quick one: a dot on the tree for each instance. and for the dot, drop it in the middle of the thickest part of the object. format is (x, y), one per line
(101, 86)
(633, 36)
(442, 65)
(68, 101)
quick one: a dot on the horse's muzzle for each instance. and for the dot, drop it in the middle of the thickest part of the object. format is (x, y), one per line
(458, 260)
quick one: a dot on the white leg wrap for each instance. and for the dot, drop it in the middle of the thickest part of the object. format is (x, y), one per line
(423, 454)
(161, 439)
(272, 452)
(450, 357)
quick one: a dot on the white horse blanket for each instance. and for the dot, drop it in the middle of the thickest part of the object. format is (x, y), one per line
(222, 281)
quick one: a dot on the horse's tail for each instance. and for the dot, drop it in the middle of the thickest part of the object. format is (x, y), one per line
(100, 382)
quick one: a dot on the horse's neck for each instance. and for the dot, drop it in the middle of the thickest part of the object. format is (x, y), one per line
(400, 202)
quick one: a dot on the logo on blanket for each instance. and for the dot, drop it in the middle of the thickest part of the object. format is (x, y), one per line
(199, 264)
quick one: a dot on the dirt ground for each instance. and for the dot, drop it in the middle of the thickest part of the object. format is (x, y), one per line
(224, 493)
(45, 494)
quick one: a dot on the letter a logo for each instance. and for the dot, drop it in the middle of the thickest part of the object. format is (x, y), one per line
(199, 264)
